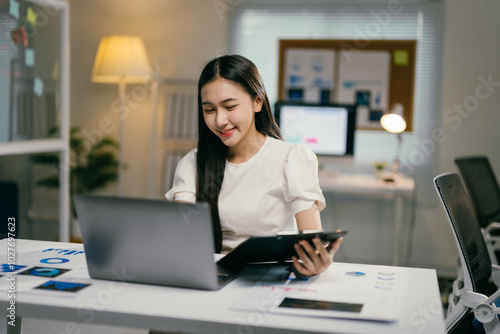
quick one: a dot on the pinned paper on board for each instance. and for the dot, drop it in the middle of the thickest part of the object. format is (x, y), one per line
(14, 8)
(372, 77)
(309, 75)
(31, 16)
(364, 79)
(38, 87)
(19, 36)
(401, 57)
(29, 57)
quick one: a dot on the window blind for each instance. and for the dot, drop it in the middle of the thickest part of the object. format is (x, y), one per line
(7, 52)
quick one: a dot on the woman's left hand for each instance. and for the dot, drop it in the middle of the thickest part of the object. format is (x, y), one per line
(314, 258)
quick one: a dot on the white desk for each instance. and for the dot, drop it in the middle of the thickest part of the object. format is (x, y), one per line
(369, 185)
(194, 311)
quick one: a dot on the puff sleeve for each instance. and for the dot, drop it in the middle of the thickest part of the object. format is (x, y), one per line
(184, 184)
(301, 180)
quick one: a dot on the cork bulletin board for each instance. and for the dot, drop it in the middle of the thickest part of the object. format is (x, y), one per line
(373, 74)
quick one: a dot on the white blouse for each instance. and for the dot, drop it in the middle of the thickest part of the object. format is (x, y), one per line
(261, 196)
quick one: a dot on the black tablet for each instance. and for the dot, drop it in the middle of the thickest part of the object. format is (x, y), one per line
(277, 248)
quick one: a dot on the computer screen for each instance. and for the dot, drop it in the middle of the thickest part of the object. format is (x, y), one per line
(325, 129)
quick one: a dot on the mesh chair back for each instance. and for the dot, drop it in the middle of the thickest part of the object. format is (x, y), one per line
(475, 264)
(482, 186)
(474, 254)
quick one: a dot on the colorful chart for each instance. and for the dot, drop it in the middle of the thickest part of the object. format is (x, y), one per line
(10, 268)
(54, 260)
(62, 286)
(355, 273)
(44, 272)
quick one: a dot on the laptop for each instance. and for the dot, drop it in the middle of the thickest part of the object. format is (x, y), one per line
(150, 241)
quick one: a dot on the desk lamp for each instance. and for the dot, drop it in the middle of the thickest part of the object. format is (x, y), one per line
(121, 59)
(395, 123)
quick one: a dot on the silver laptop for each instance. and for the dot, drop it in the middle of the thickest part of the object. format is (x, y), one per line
(150, 241)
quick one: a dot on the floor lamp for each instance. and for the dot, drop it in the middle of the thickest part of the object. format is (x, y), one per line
(395, 123)
(120, 60)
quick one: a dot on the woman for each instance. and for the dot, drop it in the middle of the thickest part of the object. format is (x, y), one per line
(255, 182)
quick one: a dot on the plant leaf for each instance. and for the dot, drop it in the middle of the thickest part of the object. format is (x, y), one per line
(51, 182)
(94, 165)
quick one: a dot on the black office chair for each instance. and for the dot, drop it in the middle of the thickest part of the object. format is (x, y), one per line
(9, 199)
(484, 192)
(468, 308)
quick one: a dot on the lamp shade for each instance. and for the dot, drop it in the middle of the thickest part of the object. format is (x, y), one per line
(393, 123)
(121, 58)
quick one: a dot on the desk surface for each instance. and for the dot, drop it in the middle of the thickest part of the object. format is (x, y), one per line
(194, 311)
(366, 184)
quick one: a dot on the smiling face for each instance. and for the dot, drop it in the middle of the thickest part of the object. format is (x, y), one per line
(229, 112)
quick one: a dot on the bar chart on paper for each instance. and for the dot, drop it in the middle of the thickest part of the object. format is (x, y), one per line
(340, 292)
(46, 269)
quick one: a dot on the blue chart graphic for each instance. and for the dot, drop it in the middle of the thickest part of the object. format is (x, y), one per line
(62, 251)
(355, 273)
(385, 281)
(10, 268)
(54, 260)
(44, 272)
(62, 286)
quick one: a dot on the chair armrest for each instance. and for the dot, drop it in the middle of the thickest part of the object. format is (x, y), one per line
(485, 310)
(493, 227)
(495, 275)
(472, 299)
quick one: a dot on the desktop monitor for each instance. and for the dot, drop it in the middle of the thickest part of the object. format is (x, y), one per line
(325, 129)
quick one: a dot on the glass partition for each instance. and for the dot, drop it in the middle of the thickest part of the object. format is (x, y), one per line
(30, 49)
(34, 97)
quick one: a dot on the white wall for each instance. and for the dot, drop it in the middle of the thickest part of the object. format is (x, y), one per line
(471, 52)
(186, 33)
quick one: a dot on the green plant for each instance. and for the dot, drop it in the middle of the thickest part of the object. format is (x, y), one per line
(380, 166)
(93, 166)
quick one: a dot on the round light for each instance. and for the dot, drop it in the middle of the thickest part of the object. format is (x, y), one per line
(393, 123)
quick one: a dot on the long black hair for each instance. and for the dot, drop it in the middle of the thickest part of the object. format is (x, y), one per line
(211, 156)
